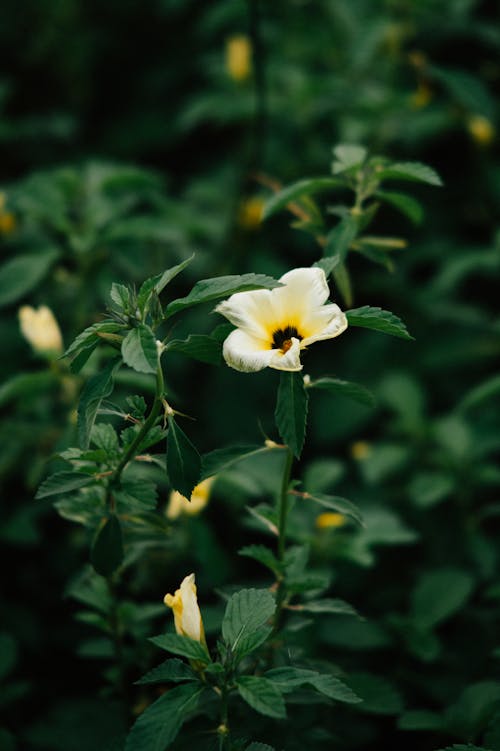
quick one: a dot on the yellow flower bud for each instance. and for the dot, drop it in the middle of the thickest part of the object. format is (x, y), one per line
(239, 57)
(187, 616)
(330, 520)
(178, 504)
(7, 223)
(481, 129)
(250, 213)
(360, 450)
(41, 329)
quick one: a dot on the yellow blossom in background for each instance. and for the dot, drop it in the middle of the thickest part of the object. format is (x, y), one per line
(41, 329)
(179, 504)
(7, 219)
(421, 97)
(330, 520)
(481, 129)
(360, 450)
(187, 616)
(250, 212)
(239, 57)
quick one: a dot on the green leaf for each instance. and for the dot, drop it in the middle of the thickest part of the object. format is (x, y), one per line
(291, 411)
(439, 594)
(306, 187)
(207, 290)
(287, 679)
(379, 320)
(139, 350)
(183, 460)
(336, 503)
(253, 641)
(263, 555)
(343, 281)
(378, 695)
(91, 337)
(474, 709)
(407, 205)
(21, 274)
(414, 171)
(220, 459)
(106, 553)
(344, 388)
(246, 611)
(198, 346)
(120, 295)
(95, 390)
(261, 695)
(420, 719)
(63, 482)
(158, 283)
(340, 238)
(327, 605)
(157, 727)
(27, 384)
(348, 156)
(170, 671)
(182, 645)
(486, 391)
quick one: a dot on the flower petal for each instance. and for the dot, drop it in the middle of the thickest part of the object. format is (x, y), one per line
(304, 289)
(252, 312)
(246, 353)
(290, 360)
(324, 323)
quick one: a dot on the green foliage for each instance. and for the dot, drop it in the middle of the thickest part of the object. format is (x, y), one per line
(246, 612)
(183, 460)
(378, 320)
(262, 695)
(97, 388)
(291, 411)
(208, 290)
(344, 388)
(21, 274)
(106, 554)
(139, 350)
(181, 645)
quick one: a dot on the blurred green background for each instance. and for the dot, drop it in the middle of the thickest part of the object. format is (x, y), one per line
(133, 134)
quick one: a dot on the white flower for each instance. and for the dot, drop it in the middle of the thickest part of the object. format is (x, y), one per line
(41, 329)
(179, 504)
(274, 325)
(187, 616)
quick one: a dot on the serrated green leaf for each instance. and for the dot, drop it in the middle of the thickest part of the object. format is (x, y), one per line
(414, 171)
(378, 695)
(253, 641)
(183, 460)
(291, 411)
(90, 337)
(407, 205)
(378, 320)
(182, 645)
(306, 187)
(139, 350)
(106, 553)
(263, 555)
(246, 611)
(336, 503)
(63, 482)
(170, 671)
(327, 605)
(21, 274)
(439, 594)
(158, 283)
(344, 388)
(261, 695)
(120, 295)
(348, 156)
(341, 237)
(220, 459)
(157, 727)
(289, 678)
(207, 290)
(95, 390)
(198, 346)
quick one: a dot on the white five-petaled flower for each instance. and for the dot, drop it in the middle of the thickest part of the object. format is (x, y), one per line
(273, 325)
(187, 616)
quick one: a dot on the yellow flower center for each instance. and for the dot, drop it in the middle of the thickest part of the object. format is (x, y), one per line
(282, 338)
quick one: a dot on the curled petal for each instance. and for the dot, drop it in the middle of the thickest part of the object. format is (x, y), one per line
(245, 353)
(289, 360)
(325, 323)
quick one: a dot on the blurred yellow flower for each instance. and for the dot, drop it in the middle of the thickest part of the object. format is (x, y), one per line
(7, 219)
(187, 616)
(360, 450)
(41, 329)
(179, 504)
(239, 57)
(481, 129)
(250, 212)
(421, 97)
(330, 520)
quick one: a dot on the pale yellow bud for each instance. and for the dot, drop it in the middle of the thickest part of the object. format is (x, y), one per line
(250, 213)
(239, 57)
(178, 504)
(330, 520)
(41, 329)
(481, 129)
(360, 450)
(187, 616)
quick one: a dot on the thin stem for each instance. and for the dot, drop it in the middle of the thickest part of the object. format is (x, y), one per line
(223, 729)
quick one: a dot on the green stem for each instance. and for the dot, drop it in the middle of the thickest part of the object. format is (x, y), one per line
(223, 726)
(282, 520)
(147, 425)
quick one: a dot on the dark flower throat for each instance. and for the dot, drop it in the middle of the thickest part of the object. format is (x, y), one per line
(282, 338)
